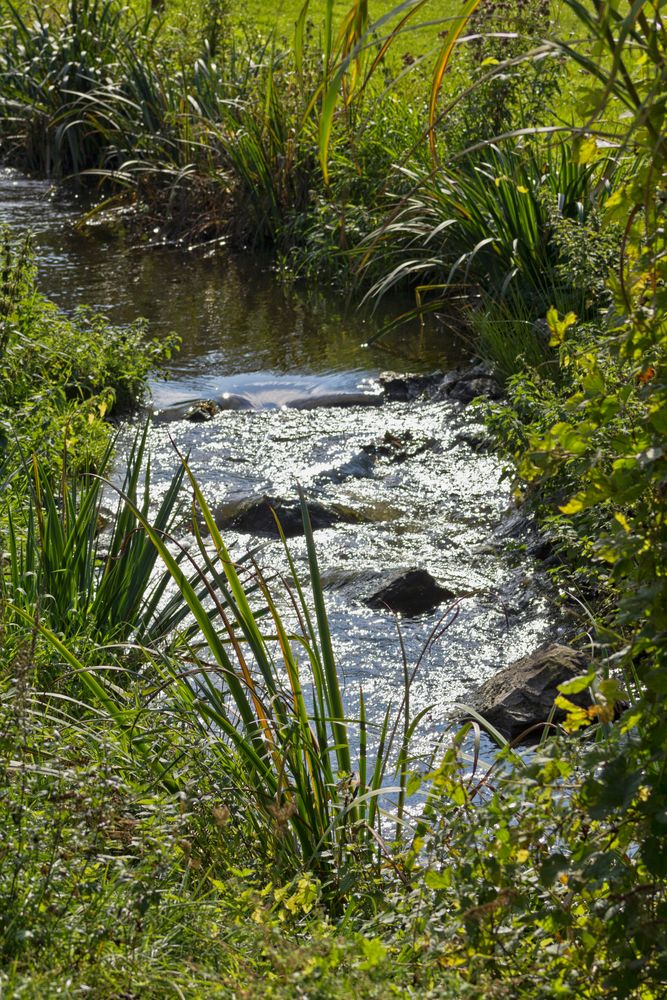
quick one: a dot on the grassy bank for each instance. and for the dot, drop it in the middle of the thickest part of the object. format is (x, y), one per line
(181, 813)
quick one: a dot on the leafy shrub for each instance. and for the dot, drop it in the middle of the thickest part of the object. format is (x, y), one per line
(61, 377)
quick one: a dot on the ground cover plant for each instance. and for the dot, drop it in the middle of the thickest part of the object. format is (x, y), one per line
(62, 377)
(179, 812)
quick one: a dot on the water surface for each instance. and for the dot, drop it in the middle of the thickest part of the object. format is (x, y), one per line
(436, 504)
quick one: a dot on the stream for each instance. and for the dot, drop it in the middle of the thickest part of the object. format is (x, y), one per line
(298, 401)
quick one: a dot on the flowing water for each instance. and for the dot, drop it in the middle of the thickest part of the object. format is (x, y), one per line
(299, 402)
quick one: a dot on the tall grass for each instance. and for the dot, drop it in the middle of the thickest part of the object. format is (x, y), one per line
(267, 696)
(486, 223)
(255, 683)
(238, 139)
(84, 568)
(51, 62)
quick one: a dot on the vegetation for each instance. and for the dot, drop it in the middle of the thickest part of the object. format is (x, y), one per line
(181, 813)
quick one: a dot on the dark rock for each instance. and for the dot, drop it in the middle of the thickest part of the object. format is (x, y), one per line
(398, 448)
(523, 694)
(255, 517)
(412, 593)
(467, 389)
(202, 412)
(402, 388)
(464, 386)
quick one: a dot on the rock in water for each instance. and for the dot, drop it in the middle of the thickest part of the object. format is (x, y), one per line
(202, 412)
(464, 386)
(412, 593)
(255, 517)
(523, 694)
(404, 387)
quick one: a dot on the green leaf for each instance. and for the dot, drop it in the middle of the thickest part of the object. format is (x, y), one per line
(438, 880)
(577, 684)
(375, 952)
(584, 150)
(559, 327)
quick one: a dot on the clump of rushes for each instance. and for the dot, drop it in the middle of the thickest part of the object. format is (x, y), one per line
(266, 699)
(238, 140)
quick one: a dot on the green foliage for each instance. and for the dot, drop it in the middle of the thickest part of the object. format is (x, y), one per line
(179, 812)
(491, 230)
(51, 60)
(89, 571)
(613, 431)
(62, 376)
(495, 84)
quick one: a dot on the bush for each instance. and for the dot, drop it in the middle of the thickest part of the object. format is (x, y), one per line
(62, 377)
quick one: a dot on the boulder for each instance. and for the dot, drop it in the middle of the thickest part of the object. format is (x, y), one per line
(402, 388)
(523, 694)
(412, 593)
(255, 517)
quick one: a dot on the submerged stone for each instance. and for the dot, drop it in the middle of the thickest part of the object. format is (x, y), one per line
(398, 448)
(256, 517)
(412, 593)
(360, 466)
(336, 400)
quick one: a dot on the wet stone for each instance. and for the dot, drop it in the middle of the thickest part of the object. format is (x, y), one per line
(522, 695)
(465, 390)
(398, 448)
(471, 383)
(256, 517)
(336, 400)
(202, 412)
(402, 388)
(413, 593)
